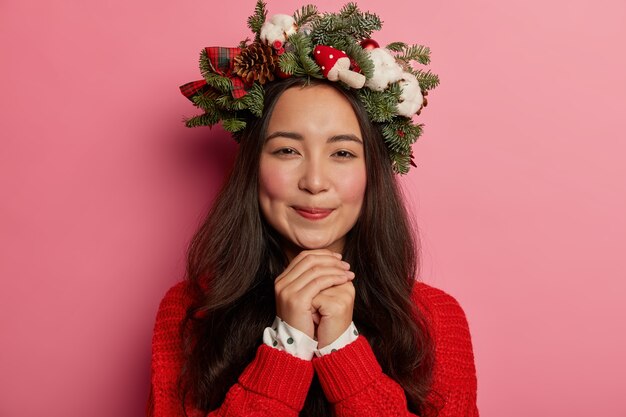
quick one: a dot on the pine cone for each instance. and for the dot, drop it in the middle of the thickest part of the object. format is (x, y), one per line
(256, 62)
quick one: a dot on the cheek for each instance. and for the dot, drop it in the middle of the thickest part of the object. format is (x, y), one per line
(353, 187)
(272, 182)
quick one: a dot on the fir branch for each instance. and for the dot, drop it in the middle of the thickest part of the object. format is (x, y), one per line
(381, 106)
(253, 100)
(348, 10)
(233, 124)
(399, 135)
(410, 131)
(227, 102)
(400, 163)
(363, 24)
(360, 25)
(396, 139)
(310, 67)
(305, 15)
(350, 22)
(206, 119)
(221, 83)
(303, 65)
(213, 79)
(406, 66)
(325, 27)
(360, 56)
(427, 80)
(417, 53)
(288, 62)
(205, 101)
(300, 44)
(396, 46)
(413, 131)
(255, 22)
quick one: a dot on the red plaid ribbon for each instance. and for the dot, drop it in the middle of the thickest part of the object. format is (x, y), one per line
(222, 61)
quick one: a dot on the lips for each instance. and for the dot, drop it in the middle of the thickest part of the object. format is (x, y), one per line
(313, 213)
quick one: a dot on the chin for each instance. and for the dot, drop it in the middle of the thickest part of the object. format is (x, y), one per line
(313, 243)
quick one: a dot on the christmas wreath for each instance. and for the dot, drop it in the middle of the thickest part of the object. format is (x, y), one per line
(310, 44)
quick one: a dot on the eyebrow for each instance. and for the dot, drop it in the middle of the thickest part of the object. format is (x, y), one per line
(336, 138)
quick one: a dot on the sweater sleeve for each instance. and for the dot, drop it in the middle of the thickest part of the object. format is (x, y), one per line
(454, 389)
(275, 383)
(354, 383)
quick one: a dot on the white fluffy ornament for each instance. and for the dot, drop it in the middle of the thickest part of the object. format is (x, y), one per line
(278, 28)
(411, 99)
(386, 69)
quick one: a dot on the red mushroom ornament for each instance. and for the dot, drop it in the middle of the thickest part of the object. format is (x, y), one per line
(335, 66)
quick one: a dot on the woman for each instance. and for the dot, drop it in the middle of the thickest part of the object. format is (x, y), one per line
(301, 296)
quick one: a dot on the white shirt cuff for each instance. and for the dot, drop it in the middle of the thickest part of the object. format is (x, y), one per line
(284, 337)
(347, 337)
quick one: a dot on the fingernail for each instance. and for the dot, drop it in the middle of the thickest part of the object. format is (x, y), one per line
(350, 274)
(338, 255)
(345, 264)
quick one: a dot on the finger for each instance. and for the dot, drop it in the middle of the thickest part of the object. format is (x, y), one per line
(332, 304)
(315, 286)
(346, 288)
(305, 253)
(344, 293)
(309, 262)
(309, 268)
(316, 318)
(320, 300)
(293, 307)
(316, 272)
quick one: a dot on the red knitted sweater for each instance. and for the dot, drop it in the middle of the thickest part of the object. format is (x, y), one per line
(276, 383)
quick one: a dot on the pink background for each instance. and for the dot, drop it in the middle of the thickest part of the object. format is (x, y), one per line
(520, 192)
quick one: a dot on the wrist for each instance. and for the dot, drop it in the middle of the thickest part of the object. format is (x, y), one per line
(346, 338)
(329, 335)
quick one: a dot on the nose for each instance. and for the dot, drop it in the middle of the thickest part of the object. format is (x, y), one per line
(314, 177)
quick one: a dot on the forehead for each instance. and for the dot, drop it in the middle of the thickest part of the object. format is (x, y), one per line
(314, 110)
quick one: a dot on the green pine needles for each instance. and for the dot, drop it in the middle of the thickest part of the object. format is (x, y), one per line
(344, 30)
(255, 22)
(299, 60)
(306, 15)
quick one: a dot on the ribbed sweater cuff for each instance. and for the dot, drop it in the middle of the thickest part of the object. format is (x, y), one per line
(277, 374)
(348, 370)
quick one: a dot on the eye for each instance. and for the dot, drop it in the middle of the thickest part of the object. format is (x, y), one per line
(345, 154)
(285, 151)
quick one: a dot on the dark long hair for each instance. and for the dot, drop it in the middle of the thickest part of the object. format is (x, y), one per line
(235, 256)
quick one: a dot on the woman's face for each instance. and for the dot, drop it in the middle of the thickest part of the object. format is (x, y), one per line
(312, 169)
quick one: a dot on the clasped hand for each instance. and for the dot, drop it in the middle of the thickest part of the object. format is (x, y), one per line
(315, 295)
